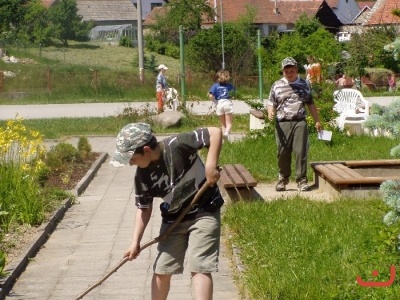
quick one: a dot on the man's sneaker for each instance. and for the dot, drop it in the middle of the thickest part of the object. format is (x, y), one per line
(281, 185)
(303, 186)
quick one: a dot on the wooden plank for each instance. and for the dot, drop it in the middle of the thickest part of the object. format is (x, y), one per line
(334, 168)
(351, 172)
(225, 179)
(366, 180)
(235, 177)
(360, 163)
(328, 173)
(257, 113)
(245, 174)
(372, 163)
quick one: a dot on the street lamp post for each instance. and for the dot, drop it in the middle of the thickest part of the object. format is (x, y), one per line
(140, 39)
(222, 37)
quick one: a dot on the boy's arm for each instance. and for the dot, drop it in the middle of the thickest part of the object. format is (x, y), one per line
(141, 220)
(211, 171)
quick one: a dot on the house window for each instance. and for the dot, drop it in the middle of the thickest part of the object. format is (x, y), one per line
(152, 5)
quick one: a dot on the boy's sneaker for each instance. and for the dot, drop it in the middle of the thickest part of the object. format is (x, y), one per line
(281, 184)
(303, 186)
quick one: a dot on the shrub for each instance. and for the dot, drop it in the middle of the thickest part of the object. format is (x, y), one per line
(125, 41)
(84, 148)
(60, 155)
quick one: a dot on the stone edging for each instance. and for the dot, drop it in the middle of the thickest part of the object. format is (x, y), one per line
(15, 269)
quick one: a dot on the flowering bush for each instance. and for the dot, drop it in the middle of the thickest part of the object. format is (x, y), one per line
(21, 152)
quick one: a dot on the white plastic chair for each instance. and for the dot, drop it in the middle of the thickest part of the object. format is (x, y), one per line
(351, 106)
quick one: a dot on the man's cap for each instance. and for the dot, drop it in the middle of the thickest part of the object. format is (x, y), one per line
(288, 61)
(131, 137)
(162, 66)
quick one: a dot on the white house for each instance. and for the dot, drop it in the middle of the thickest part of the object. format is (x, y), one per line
(148, 5)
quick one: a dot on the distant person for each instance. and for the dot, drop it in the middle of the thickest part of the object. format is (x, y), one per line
(172, 170)
(392, 82)
(313, 70)
(344, 82)
(220, 93)
(286, 105)
(161, 87)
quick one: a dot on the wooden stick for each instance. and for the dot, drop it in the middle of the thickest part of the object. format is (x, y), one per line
(149, 243)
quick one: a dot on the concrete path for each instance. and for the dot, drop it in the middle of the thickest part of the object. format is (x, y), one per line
(112, 109)
(99, 109)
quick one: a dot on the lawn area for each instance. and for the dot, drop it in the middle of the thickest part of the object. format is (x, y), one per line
(301, 249)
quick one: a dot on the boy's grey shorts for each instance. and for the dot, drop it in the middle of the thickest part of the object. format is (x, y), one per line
(199, 237)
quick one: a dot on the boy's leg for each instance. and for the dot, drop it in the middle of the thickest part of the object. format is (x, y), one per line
(160, 102)
(160, 286)
(223, 122)
(228, 122)
(202, 286)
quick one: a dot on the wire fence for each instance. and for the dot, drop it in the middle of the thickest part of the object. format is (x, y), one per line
(92, 82)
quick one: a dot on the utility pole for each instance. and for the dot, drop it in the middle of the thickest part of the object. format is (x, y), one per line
(182, 65)
(222, 37)
(140, 39)
(260, 72)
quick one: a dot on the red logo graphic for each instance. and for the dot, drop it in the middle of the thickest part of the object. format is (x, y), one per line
(378, 283)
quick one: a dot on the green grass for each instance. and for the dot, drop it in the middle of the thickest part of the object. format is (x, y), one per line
(258, 152)
(97, 72)
(302, 249)
(110, 126)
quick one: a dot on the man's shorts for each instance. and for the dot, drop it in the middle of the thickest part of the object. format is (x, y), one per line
(199, 237)
(224, 107)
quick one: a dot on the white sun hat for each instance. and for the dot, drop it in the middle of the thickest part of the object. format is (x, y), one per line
(162, 66)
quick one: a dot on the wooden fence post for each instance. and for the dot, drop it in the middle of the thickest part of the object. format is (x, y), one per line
(1, 81)
(48, 79)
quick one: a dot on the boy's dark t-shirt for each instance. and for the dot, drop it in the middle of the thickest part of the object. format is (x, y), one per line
(176, 177)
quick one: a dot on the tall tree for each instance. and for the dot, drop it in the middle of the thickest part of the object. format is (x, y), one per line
(188, 13)
(12, 14)
(65, 22)
(309, 38)
(204, 50)
(35, 26)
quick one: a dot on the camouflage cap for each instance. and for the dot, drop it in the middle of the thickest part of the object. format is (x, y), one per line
(131, 137)
(288, 61)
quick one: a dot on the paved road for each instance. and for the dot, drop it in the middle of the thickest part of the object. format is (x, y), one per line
(113, 109)
(98, 109)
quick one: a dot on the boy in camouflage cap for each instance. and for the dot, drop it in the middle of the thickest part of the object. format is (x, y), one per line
(286, 105)
(172, 170)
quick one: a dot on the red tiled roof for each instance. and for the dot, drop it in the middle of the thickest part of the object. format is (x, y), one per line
(288, 11)
(363, 4)
(48, 3)
(332, 3)
(155, 13)
(382, 13)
